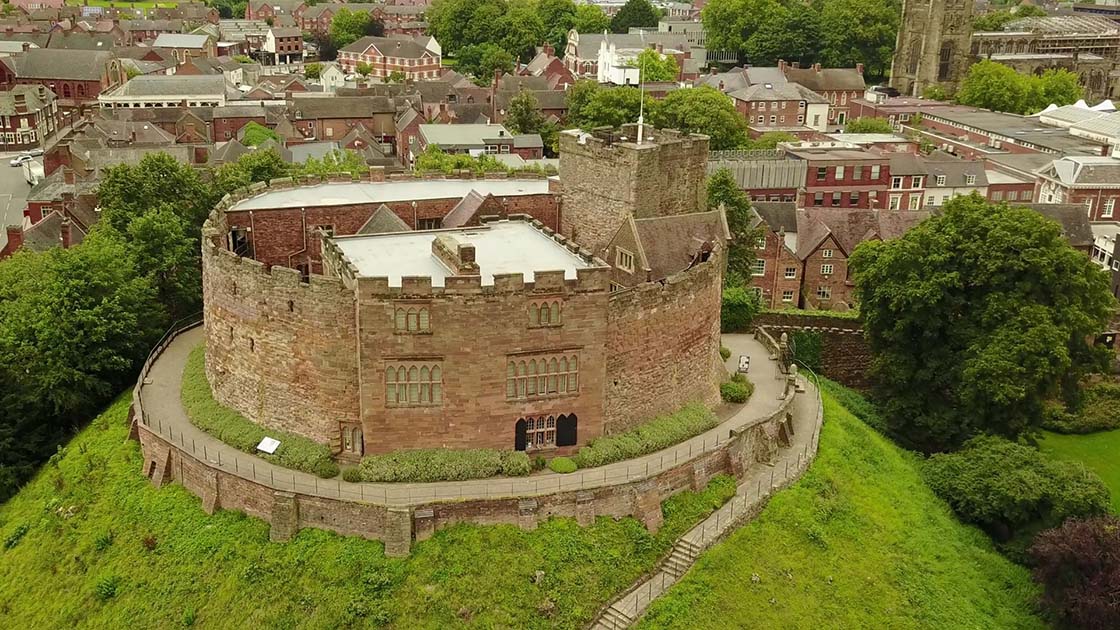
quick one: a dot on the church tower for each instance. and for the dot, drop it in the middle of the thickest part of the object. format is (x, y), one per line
(933, 46)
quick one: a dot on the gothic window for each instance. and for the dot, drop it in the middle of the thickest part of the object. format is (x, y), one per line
(413, 385)
(545, 313)
(944, 65)
(542, 377)
(412, 319)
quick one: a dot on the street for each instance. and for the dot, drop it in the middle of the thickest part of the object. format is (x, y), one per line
(13, 195)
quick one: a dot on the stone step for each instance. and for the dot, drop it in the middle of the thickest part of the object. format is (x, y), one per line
(677, 564)
(614, 619)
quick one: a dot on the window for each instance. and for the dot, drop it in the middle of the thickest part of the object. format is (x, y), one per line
(413, 385)
(773, 119)
(929, 200)
(875, 170)
(818, 199)
(782, 119)
(545, 313)
(1109, 206)
(491, 149)
(801, 119)
(915, 201)
(773, 104)
(616, 287)
(917, 181)
(857, 173)
(787, 295)
(822, 173)
(540, 432)
(412, 319)
(761, 242)
(853, 199)
(824, 293)
(997, 195)
(839, 172)
(826, 270)
(624, 260)
(791, 273)
(816, 120)
(835, 199)
(940, 180)
(896, 202)
(896, 183)
(759, 267)
(539, 377)
(826, 253)
(970, 180)
(429, 224)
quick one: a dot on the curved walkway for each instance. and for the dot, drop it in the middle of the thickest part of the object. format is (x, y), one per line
(162, 412)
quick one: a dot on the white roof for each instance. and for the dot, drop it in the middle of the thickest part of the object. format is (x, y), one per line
(343, 194)
(500, 247)
(179, 40)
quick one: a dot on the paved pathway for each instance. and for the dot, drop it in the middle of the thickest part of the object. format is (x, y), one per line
(165, 415)
(754, 491)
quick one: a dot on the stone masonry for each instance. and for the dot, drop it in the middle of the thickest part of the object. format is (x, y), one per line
(933, 45)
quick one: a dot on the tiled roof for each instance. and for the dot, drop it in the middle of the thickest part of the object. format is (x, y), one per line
(389, 47)
(1070, 216)
(77, 65)
(827, 78)
(384, 221)
(850, 227)
(672, 243)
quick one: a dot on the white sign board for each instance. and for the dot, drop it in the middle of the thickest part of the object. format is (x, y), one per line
(268, 445)
(744, 363)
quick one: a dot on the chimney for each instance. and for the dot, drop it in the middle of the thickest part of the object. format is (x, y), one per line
(497, 76)
(859, 68)
(26, 46)
(817, 68)
(549, 50)
(721, 86)
(20, 102)
(782, 66)
(68, 175)
(64, 232)
(15, 238)
(459, 257)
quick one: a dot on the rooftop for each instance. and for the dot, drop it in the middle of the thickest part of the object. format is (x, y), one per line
(341, 194)
(501, 247)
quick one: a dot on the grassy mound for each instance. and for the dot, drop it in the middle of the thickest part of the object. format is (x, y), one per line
(93, 545)
(1098, 451)
(227, 425)
(859, 542)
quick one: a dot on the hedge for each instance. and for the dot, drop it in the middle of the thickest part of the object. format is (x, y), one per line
(562, 465)
(438, 464)
(1099, 410)
(738, 310)
(650, 437)
(737, 390)
(242, 434)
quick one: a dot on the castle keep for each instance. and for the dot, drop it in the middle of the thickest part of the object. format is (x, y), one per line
(375, 316)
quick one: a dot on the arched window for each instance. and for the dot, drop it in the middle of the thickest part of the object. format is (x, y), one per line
(521, 380)
(437, 386)
(391, 386)
(552, 369)
(532, 382)
(534, 316)
(573, 374)
(563, 374)
(425, 384)
(511, 380)
(65, 90)
(401, 323)
(81, 89)
(544, 315)
(413, 321)
(414, 385)
(555, 318)
(423, 319)
(356, 439)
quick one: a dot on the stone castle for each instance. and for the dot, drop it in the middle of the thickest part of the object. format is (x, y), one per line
(458, 313)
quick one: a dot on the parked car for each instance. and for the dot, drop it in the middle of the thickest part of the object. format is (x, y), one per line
(20, 159)
(34, 152)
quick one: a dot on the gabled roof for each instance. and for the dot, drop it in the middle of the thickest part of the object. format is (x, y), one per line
(341, 107)
(76, 65)
(671, 244)
(180, 40)
(850, 227)
(824, 79)
(47, 233)
(1072, 218)
(389, 47)
(777, 215)
(470, 206)
(228, 152)
(1084, 171)
(384, 221)
(956, 172)
(906, 164)
(777, 92)
(81, 41)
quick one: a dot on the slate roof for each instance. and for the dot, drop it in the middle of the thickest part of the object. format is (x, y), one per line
(81, 41)
(389, 47)
(777, 92)
(671, 244)
(906, 164)
(180, 40)
(173, 85)
(464, 210)
(778, 215)
(342, 106)
(174, 26)
(827, 78)
(36, 97)
(850, 227)
(384, 221)
(1080, 170)
(76, 65)
(228, 152)
(1070, 216)
(47, 233)
(956, 172)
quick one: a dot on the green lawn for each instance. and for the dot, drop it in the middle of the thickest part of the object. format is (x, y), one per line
(1100, 452)
(101, 548)
(859, 542)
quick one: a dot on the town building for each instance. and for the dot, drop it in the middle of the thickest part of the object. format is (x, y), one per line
(185, 46)
(840, 175)
(411, 58)
(28, 116)
(169, 91)
(75, 76)
(1092, 182)
(948, 177)
(789, 107)
(486, 139)
(284, 45)
(583, 51)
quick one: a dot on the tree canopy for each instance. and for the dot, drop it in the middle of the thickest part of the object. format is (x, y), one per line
(996, 20)
(255, 133)
(869, 125)
(992, 85)
(654, 66)
(481, 60)
(634, 13)
(349, 26)
(724, 190)
(703, 110)
(975, 317)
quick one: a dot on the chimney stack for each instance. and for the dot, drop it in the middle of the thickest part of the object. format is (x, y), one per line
(26, 45)
(15, 238)
(64, 232)
(68, 175)
(859, 68)
(817, 68)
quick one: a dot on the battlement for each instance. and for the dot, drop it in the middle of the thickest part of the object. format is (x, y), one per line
(251, 272)
(626, 138)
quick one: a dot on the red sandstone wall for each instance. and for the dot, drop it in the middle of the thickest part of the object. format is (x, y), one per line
(663, 347)
(279, 351)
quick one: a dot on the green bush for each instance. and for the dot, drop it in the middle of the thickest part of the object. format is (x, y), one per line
(235, 430)
(438, 464)
(725, 352)
(353, 475)
(1098, 410)
(562, 465)
(807, 347)
(737, 390)
(106, 588)
(1013, 491)
(652, 436)
(17, 535)
(738, 309)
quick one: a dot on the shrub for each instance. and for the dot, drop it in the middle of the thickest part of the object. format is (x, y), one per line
(106, 588)
(353, 475)
(232, 428)
(437, 464)
(725, 352)
(654, 435)
(807, 347)
(1078, 565)
(17, 535)
(738, 309)
(1099, 410)
(1011, 490)
(539, 463)
(562, 465)
(737, 390)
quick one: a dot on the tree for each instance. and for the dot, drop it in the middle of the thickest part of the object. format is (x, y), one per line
(167, 257)
(589, 18)
(770, 140)
(975, 317)
(348, 27)
(654, 66)
(859, 31)
(395, 76)
(460, 23)
(703, 110)
(730, 24)
(996, 20)
(128, 191)
(1054, 86)
(558, 17)
(869, 125)
(254, 133)
(363, 68)
(311, 70)
(611, 107)
(579, 95)
(1078, 566)
(483, 60)
(522, 29)
(724, 190)
(337, 161)
(634, 13)
(256, 166)
(792, 35)
(524, 114)
(993, 86)
(434, 160)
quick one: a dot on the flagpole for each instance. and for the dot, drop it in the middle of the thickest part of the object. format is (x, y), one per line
(641, 87)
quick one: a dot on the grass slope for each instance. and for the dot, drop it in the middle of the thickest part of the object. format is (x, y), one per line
(1100, 452)
(859, 542)
(103, 549)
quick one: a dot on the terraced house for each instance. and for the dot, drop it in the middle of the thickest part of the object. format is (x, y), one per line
(414, 57)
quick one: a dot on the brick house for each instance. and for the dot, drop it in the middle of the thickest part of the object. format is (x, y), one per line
(264, 9)
(75, 76)
(840, 176)
(777, 271)
(950, 177)
(763, 175)
(839, 86)
(144, 31)
(1093, 182)
(477, 139)
(781, 107)
(186, 46)
(908, 182)
(28, 116)
(650, 249)
(284, 44)
(546, 64)
(229, 119)
(333, 118)
(386, 55)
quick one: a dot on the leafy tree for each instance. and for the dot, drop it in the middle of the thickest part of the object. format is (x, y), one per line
(738, 308)
(654, 66)
(434, 160)
(522, 29)
(579, 95)
(611, 107)
(975, 317)
(1058, 86)
(524, 114)
(338, 161)
(127, 191)
(869, 125)
(311, 70)
(256, 166)
(558, 17)
(703, 110)
(724, 190)
(859, 31)
(395, 76)
(994, 86)
(460, 23)
(996, 20)
(1011, 490)
(166, 255)
(589, 18)
(363, 68)
(770, 140)
(348, 27)
(635, 13)
(254, 133)
(1078, 565)
(483, 60)
(730, 24)
(789, 34)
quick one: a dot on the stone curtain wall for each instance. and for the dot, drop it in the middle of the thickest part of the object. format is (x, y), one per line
(663, 347)
(279, 351)
(845, 355)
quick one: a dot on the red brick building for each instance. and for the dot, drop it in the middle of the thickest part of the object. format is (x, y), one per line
(75, 76)
(777, 270)
(1093, 182)
(781, 107)
(839, 86)
(28, 116)
(838, 176)
(387, 55)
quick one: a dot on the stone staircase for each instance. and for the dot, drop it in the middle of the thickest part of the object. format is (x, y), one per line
(680, 560)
